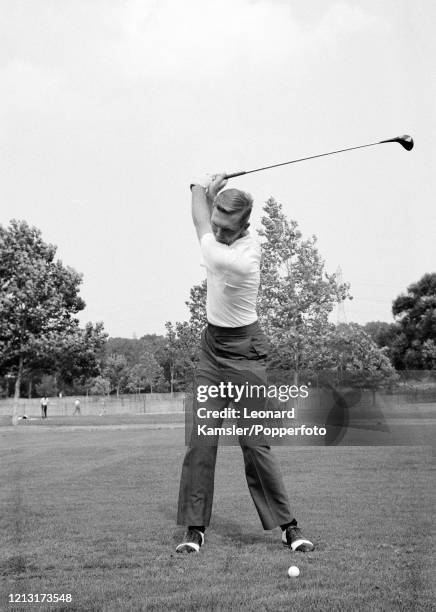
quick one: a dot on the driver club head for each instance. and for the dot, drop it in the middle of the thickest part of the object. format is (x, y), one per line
(405, 141)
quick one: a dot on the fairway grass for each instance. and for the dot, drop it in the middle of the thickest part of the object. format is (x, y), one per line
(92, 513)
(160, 418)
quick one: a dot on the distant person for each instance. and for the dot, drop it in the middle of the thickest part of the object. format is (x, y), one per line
(76, 407)
(44, 404)
(103, 408)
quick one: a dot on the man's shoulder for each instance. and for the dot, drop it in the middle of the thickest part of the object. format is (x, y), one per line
(249, 241)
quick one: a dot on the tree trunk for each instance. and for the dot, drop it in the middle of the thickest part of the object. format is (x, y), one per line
(29, 389)
(19, 377)
(171, 380)
(296, 370)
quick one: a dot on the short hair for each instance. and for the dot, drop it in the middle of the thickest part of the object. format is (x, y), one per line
(235, 200)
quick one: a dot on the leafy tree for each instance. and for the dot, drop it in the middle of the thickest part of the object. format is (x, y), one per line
(75, 353)
(38, 300)
(296, 295)
(116, 371)
(197, 308)
(357, 360)
(148, 373)
(136, 379)
(383, 334)
(133, 348)
(415, 346)
(100, 386)
(183, 339)
(47, 387)
(181, 353)
(153, 372)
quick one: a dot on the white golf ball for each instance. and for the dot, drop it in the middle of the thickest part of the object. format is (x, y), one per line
(293, 571)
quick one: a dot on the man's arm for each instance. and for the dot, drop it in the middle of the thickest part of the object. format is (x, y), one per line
(204, 192)
(200, 211)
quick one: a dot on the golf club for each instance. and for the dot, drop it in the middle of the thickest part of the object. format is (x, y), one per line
(405, 141)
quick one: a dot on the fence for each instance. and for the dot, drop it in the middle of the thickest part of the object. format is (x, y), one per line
(145, 403)
(148, 403)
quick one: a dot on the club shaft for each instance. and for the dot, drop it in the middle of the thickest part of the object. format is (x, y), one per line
(294, 161)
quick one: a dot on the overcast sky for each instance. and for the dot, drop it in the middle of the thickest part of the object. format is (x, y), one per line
(108, 107)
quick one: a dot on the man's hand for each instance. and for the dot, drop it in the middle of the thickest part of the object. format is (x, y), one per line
(211, 183)
(217, 183)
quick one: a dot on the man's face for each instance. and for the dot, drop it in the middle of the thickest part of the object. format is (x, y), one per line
(227, 226)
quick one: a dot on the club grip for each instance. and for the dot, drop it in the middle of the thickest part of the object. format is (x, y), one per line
(233, 174)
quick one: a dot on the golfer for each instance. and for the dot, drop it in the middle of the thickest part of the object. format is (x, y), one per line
(44, 404)
(233, 351)
(76, 407)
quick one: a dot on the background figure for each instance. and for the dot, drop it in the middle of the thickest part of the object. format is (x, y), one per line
(44, 404)
(103, 408)
(76, 407)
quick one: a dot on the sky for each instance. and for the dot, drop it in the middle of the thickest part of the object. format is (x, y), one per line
(109, 108)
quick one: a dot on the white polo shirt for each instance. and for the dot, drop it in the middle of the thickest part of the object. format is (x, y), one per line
(233, 275)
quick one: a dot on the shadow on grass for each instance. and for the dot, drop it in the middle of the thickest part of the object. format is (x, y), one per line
(225, 529)
(232, 530)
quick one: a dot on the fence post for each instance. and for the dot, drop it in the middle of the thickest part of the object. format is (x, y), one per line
(14, 413)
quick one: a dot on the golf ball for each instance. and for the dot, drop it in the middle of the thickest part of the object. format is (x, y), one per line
(293, 571)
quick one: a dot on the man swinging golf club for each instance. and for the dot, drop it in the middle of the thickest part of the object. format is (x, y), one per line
(233, 351)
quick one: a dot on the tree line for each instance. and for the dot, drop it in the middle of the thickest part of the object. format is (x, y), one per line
(45, 351)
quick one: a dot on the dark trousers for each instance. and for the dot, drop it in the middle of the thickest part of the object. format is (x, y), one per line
(237, 355)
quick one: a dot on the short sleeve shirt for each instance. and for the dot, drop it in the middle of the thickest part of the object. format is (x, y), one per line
(233, 275)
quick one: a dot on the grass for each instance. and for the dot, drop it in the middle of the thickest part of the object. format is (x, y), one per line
(96, 420)
(91, 512)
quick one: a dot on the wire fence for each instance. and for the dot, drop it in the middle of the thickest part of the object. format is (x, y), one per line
(161, 403)
(144, 403)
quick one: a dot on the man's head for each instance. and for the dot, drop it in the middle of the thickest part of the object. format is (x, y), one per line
(230, 215)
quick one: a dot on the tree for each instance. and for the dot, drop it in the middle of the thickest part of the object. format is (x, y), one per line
(136, 379)
(182, 345)
(357, 360)
(76, 353)
(100, 386)
(415, 346)
(197, 308)
(153, 372)
(181, 353)
(116, 371)
(39, 298)
(296, 295)
(383, 334)
(147, 373)
(132, 348)
(47, 387)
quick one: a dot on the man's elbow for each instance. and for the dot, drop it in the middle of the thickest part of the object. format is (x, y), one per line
(201, 228)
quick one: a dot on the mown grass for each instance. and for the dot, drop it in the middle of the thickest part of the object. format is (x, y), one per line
(94, 420)
(92, 513)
